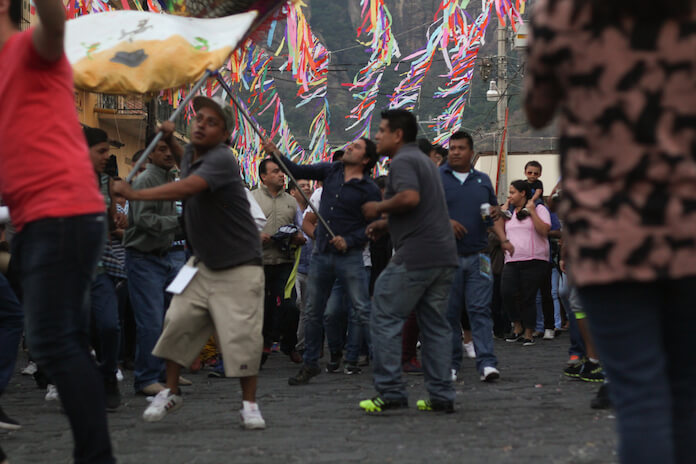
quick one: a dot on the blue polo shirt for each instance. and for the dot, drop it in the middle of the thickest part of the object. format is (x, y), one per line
(464, 202)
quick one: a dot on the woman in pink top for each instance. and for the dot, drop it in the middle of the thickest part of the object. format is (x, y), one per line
(525, 270)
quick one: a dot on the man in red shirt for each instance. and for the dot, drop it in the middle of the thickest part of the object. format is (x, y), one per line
(48, 183)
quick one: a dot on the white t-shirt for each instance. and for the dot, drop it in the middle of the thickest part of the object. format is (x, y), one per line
(460, 175)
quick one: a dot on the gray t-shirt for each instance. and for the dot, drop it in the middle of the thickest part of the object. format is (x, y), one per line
(423, 237)
(219, 226)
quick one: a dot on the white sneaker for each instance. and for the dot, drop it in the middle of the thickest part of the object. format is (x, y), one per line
(453, 375)
(119, 375)
(549, 334)
(162, 404)
(51, 393)
(469, 350)
(490, 374)
(30, 369)
(251, 416)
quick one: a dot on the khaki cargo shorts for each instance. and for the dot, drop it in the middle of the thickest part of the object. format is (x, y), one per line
(227, 304)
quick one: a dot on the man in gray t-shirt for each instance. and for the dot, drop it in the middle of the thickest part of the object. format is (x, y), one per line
(419, 277)
(422, 236)
(225, 294)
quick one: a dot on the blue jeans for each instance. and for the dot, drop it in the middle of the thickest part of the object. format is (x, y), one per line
(11, 326)
(104, 304)
(644, 334)
(342, 324)
(577, 344)
(148, 277)
(555, 284)
(399, 291)
(543, 320)
(476, 289)
(56, 259)
(336, 315)
(324, 269)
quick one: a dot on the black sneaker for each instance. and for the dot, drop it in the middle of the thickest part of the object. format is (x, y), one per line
(351, 368)
(7, 423)
(528, 342)
(334, 365)
(378, 404)
(591, 372)
(573, 370)
(303, 376)
(113, 395)
(601, 401)
(436, 405)
(513, 337)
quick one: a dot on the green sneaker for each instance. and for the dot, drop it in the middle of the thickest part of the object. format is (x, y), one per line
(591, 372)
(378, 404)
(573, 370)
(430, 405)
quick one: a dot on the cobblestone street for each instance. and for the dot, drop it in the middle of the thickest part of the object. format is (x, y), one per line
(533, 414)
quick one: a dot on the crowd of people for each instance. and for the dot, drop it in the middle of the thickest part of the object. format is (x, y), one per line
(188, 268)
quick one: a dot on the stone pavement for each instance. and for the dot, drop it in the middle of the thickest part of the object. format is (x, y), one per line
(533, 414)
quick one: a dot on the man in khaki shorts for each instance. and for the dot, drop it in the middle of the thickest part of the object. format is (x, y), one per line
(225, 296)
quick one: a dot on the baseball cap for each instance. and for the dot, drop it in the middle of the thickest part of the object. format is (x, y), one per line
(219, 105)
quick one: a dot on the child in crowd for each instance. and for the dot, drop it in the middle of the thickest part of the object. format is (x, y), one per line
(532, 171)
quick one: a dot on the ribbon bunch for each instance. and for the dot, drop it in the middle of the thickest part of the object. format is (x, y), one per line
(462, 59)
(446, 22)
(382, 47)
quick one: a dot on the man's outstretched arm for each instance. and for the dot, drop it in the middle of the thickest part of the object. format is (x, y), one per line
(49, 33)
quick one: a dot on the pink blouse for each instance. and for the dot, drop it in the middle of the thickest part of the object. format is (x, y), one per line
(528, 243)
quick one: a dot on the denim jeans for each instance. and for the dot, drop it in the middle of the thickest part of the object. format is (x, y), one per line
(548, 314)
(56, 260)
(301, 289)
(577, 344)
(644, 335)
(104, 305)
(11, 326)
(148, 277)
(342, 324)
(472, 287)
(399, 291)
(336, 317)
(324, 269)
(555, 284)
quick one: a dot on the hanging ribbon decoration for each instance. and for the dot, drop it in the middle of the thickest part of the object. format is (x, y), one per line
(407, 91)
(249, 66)
(308, 59)
(383, 47)
(462, 59)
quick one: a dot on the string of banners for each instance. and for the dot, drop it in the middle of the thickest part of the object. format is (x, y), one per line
(454, 34)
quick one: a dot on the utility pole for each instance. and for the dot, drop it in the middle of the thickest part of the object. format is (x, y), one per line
(502, 107)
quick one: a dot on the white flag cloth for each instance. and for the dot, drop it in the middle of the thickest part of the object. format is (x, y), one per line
(126, 52)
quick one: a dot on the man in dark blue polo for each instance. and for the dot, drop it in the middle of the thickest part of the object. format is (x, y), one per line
(470, 201)
(347, 186)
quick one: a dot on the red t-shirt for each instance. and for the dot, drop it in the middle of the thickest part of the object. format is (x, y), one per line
(45, 170)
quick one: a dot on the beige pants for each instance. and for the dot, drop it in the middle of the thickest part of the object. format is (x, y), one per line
(227, 304)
